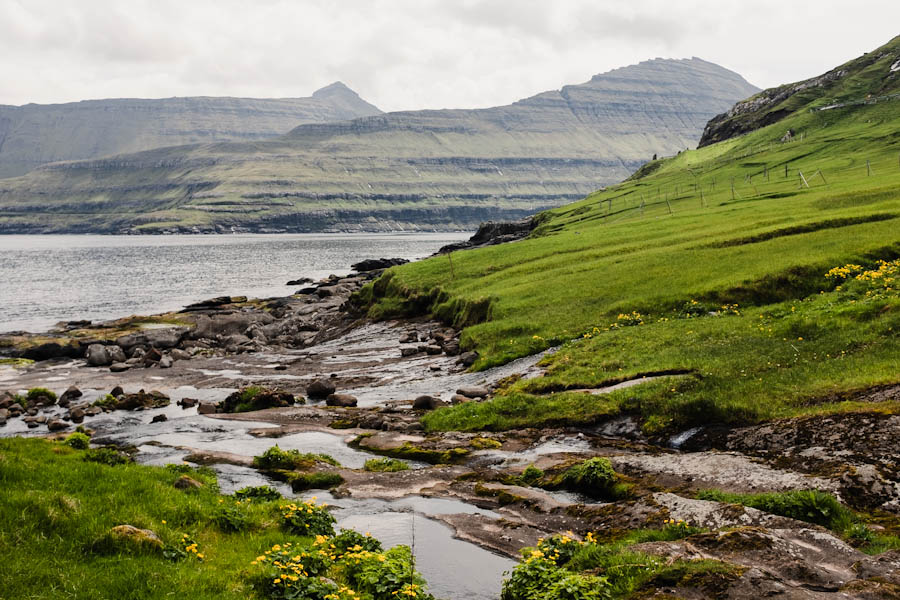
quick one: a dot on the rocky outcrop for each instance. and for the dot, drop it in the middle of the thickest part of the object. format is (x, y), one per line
(861, 80)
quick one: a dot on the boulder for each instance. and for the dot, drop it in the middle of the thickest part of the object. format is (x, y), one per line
(427, 403)
(433, 349)
(459, 399)
(77, 415)
(166, 362)
(4, 415)
(188, 402)
(6, 399)
(163, 339)
(151, 356)
(467, 359)
(344, 400)
(408, 351)
(260, 399)
(450, 347)
(207, 408)
(139, 538)
(119, 367)
(473, 391)
(117, 391)
(70, 394)
(57, 425)
(300, 281)
(159, 419)
(142, 399)
(179, 354)
(116, 354)
(410, 337)
(97, 355)
(375, 264)
(320, 388)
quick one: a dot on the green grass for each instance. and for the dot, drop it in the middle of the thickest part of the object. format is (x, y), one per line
(650, 246)
(385, 465)
(57, 509)
(820, 508)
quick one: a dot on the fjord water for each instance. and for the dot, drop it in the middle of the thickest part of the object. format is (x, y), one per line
(45, 279)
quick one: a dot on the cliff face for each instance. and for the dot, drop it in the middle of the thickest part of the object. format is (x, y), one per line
(35, 134)
(416, 170)
(869, 78)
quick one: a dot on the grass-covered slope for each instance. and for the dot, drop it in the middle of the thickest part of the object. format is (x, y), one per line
(746, 229)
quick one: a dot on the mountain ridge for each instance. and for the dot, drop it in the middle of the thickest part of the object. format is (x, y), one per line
(35, 134)
(405, 170)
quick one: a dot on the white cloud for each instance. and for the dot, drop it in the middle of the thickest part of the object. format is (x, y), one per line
(407, 54)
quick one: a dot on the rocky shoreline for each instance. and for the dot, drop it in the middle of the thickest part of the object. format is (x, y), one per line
(324, 368)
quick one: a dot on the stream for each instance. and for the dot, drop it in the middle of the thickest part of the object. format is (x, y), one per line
(454, 569)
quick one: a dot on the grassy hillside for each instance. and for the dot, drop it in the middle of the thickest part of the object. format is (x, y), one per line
(718, 258)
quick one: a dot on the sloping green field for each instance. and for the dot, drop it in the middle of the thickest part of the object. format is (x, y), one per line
(751, 224)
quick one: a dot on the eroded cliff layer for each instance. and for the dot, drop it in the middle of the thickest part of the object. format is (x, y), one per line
(421, 170)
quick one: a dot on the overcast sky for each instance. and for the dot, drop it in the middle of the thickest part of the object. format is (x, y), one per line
(409, 54)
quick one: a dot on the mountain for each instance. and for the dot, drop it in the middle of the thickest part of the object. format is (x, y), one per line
(432, 169)
(864, 79)
(36, 134)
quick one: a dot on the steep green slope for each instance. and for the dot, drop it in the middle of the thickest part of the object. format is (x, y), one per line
(447, 169)
(36, 134)
(711, 264)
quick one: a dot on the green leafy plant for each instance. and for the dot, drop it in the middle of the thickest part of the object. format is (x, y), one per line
(594, 477)
(232, 517)
(384, 576)
(108, 455)
(307, 518)
(531, 475)
(264, 493)
(350, 540)
(185, 547)
(78, 441)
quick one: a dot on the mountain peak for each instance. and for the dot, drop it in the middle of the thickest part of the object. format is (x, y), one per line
(338, 87)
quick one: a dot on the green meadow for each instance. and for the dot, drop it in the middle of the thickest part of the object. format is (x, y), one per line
(710, 265)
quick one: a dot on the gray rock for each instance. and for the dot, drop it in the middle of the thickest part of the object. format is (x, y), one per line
(473, 391)
(155, 338)
(207, 408)
(459, 399)
(320, 388)
(119, 367)
(116, 354)
(411, 337)
(179, 354)
(433, 349)
(467, 359)
(4, 415)
(57, 425)
(97, 355)
(70, 394)
(139, 538)
(159, 419)
(427, 403)
(77, 415)
(92, 411)
(408, 351)
(165, 362)
(188, 402)
(117, 391)
(345, 400)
